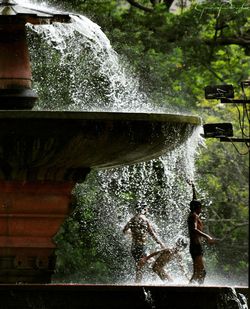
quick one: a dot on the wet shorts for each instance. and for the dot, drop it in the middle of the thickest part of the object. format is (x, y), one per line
(138, 251)
(195, 250)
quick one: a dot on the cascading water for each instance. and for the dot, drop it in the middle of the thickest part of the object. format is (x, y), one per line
(232, 300)
(162, 185)
(93, 77)
(166, 194)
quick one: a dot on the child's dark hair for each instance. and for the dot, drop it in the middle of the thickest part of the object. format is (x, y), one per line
(140, 206)
(194, 204)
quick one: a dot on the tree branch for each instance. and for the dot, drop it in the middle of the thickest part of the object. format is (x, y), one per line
(235, 226)
(139, 6)
(168, 4)
(242, 41)
(213, 72)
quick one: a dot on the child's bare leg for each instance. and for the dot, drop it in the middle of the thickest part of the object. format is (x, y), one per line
(158, 269)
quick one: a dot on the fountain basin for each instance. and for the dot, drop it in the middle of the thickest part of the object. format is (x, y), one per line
(61, 146)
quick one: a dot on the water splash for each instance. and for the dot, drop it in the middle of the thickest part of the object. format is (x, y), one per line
(229, 299)
(148, 298)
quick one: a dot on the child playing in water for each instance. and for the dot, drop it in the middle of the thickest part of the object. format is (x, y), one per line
(165, 256)
(196, 234)
(140, 228)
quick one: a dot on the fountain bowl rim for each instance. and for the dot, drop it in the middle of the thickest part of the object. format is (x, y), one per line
(101, 115)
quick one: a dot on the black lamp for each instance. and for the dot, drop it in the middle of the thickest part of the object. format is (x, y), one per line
(217, 130)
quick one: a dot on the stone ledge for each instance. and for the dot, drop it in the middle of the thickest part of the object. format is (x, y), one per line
(71, 296)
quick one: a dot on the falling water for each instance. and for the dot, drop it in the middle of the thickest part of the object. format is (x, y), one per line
(81, 71)
(162, 185)
(232, 300)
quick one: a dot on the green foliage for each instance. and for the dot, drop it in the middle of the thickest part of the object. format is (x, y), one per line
(78, 258)
(224, 175)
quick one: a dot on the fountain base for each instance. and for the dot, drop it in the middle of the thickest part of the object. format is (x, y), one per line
(13, 98)
(115, 296)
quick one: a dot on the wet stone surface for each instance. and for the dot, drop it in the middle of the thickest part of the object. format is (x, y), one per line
(114, 296)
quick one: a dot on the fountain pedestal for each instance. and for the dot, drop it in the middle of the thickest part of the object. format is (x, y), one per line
(31, 213)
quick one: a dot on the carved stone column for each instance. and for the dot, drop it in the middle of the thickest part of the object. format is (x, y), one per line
(31, 213)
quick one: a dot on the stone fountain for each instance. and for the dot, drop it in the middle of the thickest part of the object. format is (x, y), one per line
(43, 154)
